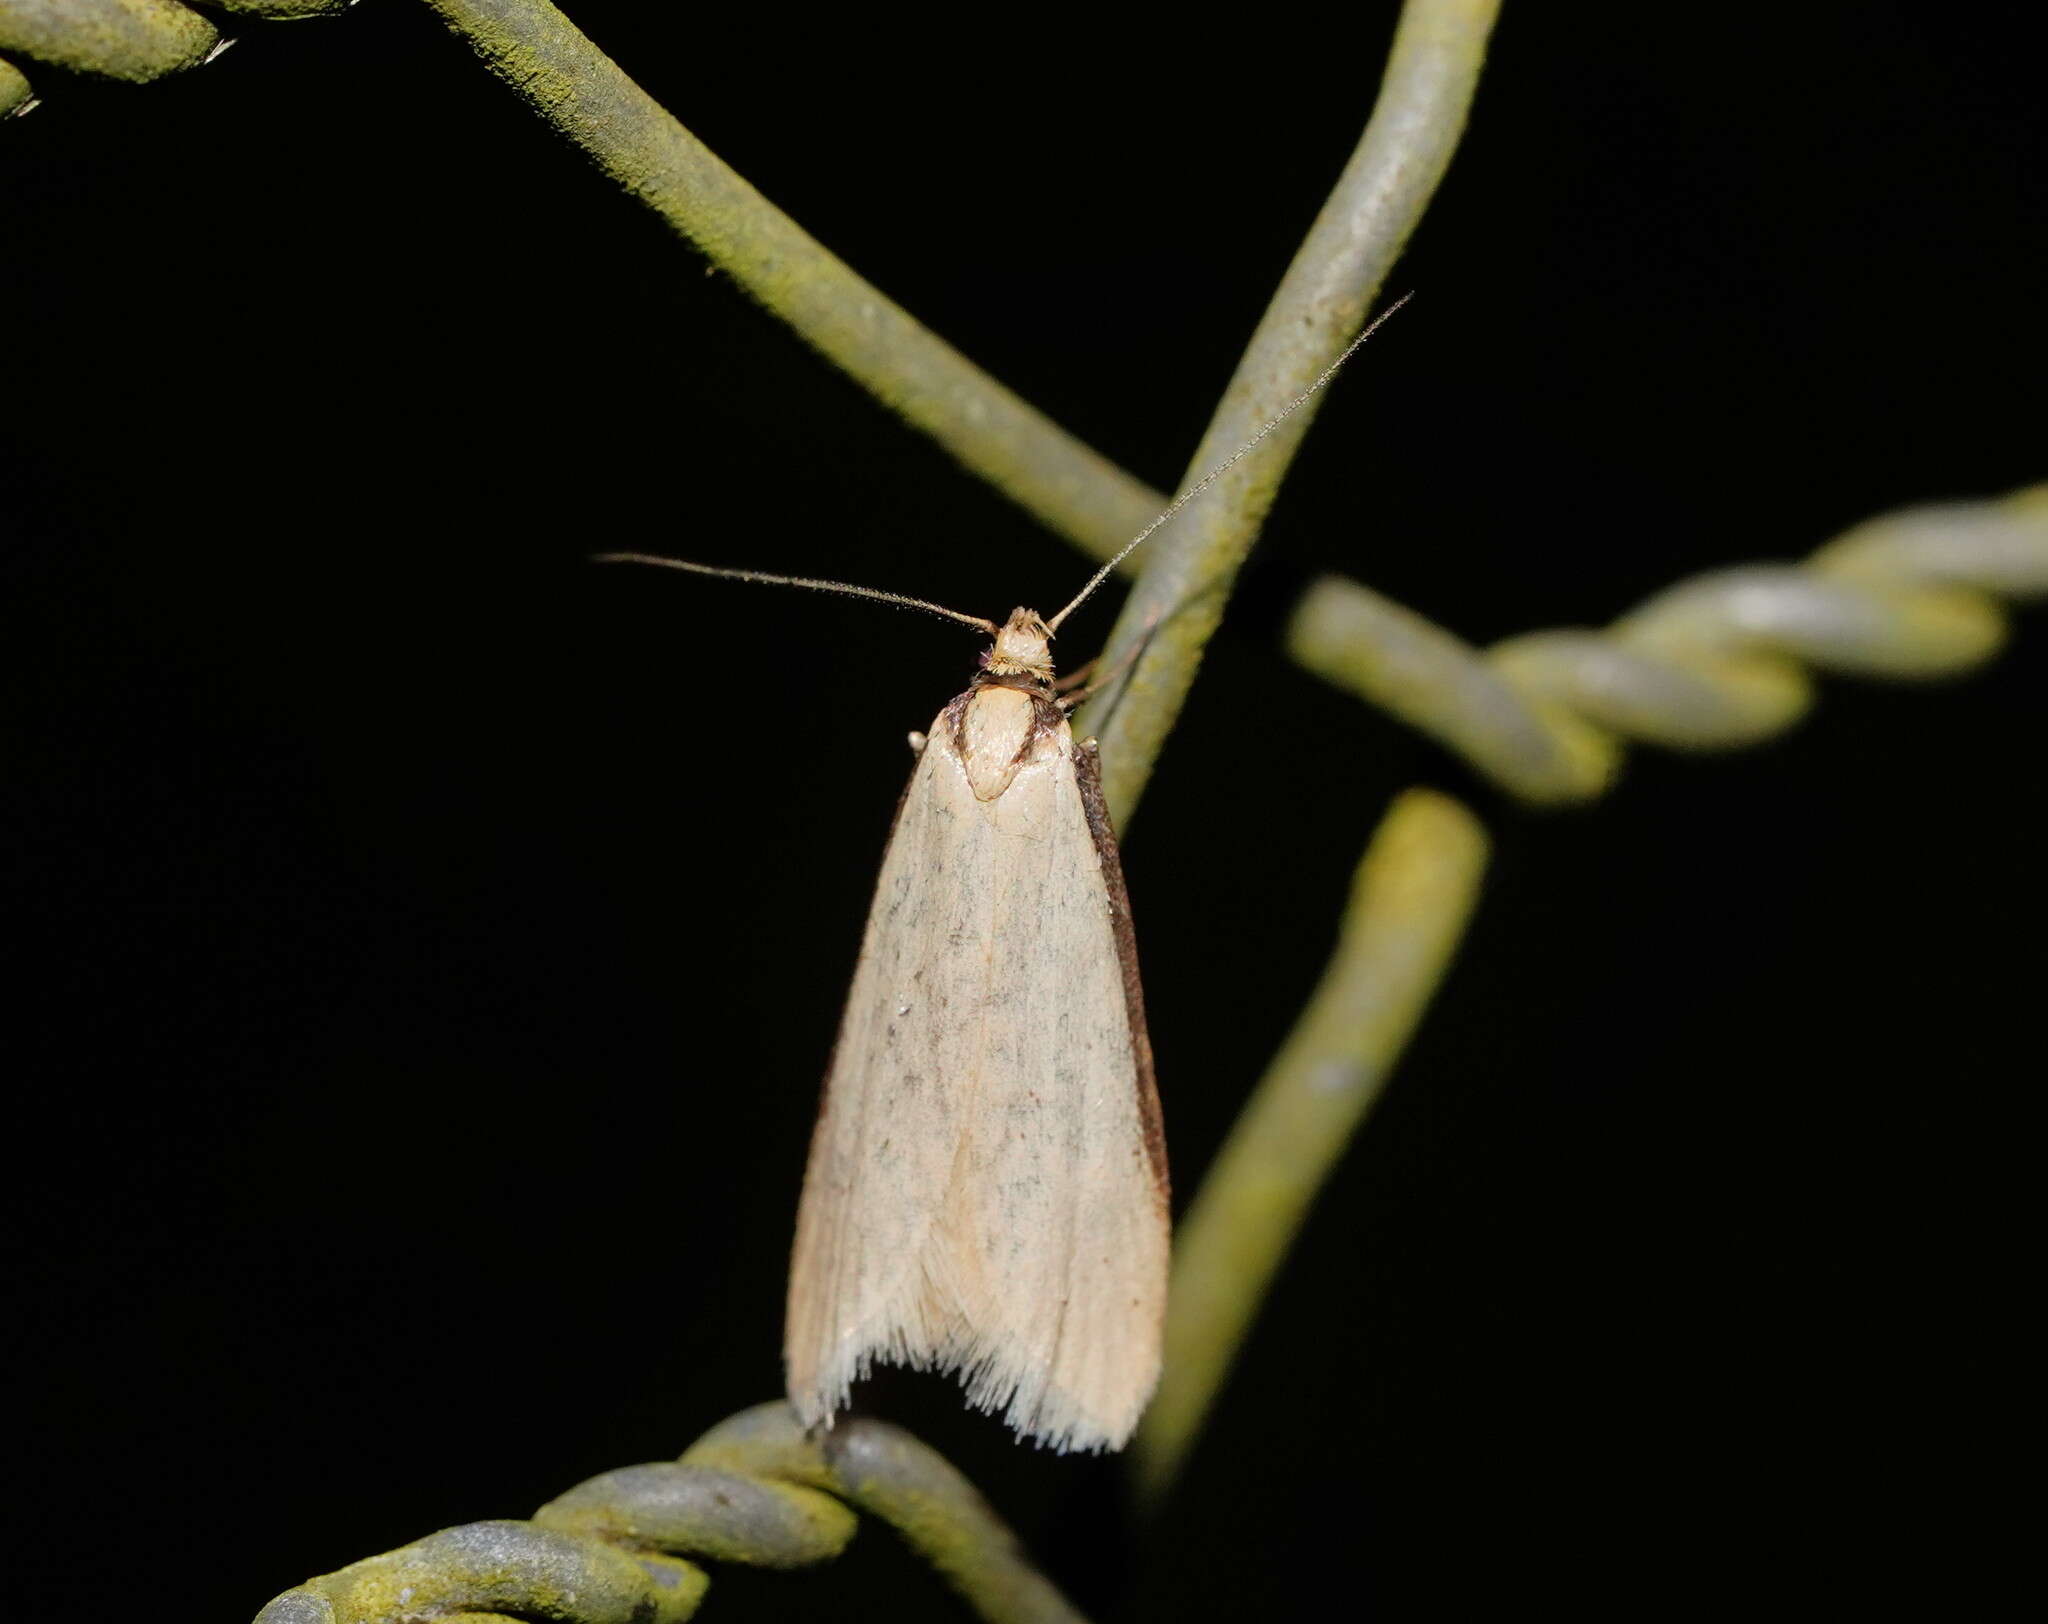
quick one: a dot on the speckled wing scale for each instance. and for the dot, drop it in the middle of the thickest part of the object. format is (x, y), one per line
(987, 1187)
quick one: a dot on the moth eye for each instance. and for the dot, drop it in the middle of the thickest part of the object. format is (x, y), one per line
(981, 659)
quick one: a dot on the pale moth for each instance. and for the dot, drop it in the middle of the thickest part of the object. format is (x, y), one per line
(987, 1188)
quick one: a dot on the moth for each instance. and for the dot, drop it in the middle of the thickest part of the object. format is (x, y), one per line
(987, 1186)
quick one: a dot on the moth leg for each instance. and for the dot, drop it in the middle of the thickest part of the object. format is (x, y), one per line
(917, 743)
(1072, 701)
(1074, 678)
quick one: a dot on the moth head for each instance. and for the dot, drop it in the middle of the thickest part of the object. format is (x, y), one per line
(1023, 647)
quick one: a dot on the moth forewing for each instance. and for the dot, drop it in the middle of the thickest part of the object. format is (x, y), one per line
(987, 1184)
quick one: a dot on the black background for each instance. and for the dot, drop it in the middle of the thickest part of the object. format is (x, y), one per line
(425, 946)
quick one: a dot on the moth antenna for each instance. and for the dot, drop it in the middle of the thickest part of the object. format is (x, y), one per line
(843, 588)
(1226, 465)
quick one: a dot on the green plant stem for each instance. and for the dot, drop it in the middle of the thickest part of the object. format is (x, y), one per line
(993, 432)
(126, 39)
(280, 9)
(15, 92)
(497, 1571)
(1320, 305)
(1414, 892)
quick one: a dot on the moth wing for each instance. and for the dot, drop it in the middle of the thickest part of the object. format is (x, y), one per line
(986, 1190)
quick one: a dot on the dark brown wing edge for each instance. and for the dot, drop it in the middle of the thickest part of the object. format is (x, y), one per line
(1089, 774)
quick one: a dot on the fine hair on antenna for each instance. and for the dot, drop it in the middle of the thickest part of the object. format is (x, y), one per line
(847, 589)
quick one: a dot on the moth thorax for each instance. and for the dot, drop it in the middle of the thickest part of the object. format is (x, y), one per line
(1023, 648)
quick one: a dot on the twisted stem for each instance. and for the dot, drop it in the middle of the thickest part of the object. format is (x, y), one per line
(754, 1490)
(1712, 663)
